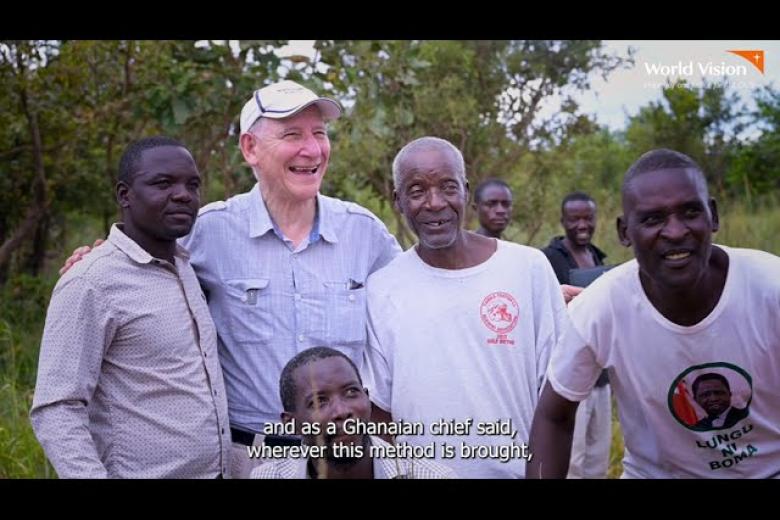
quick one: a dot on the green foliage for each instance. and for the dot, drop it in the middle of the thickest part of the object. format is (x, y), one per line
(23, 302)
(756, 167)
(481, 95)
(703, 123)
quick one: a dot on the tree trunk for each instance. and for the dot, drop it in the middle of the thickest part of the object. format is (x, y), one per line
(38, 253)
(21, 233)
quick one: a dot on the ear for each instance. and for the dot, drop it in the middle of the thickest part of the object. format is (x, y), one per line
(397, 202)
(622, 231)
(247, 144)
(287, 417)
(714, 212)
(123, 194)
(468, 192)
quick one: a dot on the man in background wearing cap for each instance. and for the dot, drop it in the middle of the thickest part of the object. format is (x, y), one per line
(283, 266)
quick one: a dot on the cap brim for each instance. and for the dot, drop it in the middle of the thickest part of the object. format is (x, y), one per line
(329, 108)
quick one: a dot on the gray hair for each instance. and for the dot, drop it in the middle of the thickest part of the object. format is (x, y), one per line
(425, 144)
(256, 126)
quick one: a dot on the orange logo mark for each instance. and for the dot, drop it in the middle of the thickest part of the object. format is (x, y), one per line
(754, 57)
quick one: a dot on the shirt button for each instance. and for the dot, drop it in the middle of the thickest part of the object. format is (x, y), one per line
(223, 431)
(215, 392)
(351, 297)
(300, 337)
(205, 354)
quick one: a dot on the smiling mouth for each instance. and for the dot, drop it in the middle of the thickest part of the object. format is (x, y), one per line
(435, 224)
(677, 255)
(301, 170)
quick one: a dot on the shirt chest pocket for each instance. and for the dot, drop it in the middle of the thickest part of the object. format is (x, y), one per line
(250, 309)
(347, 316)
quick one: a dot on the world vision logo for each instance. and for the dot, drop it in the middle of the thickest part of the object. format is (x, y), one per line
(691, 68)
(756, 58)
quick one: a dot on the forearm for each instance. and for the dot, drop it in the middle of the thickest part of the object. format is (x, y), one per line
(79, 328)
(62, 430)
(551, 435)
(550, 445)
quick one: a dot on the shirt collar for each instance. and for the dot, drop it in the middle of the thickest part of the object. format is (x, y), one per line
(720, 419)
(136, 253)
(260, 221)
(557, 243)
(387, 467)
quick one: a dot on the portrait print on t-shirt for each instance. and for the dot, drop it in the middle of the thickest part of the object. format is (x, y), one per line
(713, 396)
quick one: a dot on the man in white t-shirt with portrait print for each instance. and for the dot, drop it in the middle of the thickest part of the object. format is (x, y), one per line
(684, 308)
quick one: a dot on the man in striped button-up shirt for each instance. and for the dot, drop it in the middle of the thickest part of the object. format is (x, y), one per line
(128, 384)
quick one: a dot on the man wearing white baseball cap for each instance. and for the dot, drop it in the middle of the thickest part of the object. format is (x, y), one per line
(284, 267)
(282, 100)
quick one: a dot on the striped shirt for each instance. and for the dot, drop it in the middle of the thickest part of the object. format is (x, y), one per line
(270, 300)
(129, 385)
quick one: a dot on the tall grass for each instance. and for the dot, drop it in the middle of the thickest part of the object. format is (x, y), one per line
(751, 225)
(24, 300)
(20, 454)
(23, 303)
(616, 449)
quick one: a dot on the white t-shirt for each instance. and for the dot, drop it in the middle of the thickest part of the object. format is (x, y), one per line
(464, 344)
(654, 364)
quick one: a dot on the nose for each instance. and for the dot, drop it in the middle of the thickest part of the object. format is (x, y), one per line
(181, 193)
(434, 200)
(311, 147)
(674, 229)
(340, 410)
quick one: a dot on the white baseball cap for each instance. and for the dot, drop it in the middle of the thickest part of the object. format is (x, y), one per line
(284, 99)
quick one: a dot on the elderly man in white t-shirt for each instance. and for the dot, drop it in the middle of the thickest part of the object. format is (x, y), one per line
(460, 325)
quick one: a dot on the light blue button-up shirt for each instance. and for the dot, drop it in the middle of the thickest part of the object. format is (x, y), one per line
(270, 300)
